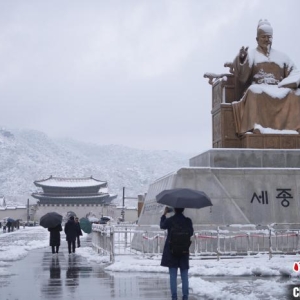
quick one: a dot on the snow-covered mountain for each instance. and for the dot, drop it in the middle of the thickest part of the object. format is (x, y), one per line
(28, 155)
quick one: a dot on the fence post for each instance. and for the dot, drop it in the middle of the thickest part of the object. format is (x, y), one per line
(195, 244)
(112, 243)
(218, 243)
(248, 244)
(270, 243)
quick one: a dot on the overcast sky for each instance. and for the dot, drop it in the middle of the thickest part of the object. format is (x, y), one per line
(130, 71)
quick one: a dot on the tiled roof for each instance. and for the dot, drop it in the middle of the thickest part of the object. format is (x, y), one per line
(69, 182)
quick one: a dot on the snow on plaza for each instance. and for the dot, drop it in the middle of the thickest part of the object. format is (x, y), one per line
(251, 277)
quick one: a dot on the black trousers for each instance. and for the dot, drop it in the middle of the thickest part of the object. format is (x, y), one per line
(78, 241)
(55, 250)
(73, 246)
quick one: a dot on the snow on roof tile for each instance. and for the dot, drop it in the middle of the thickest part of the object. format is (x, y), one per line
(69, 182)
(41, 195)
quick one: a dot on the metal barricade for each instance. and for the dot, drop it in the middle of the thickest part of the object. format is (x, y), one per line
(208, 240)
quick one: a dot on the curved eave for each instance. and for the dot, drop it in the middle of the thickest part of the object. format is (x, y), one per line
(43, 196)
(80, 183)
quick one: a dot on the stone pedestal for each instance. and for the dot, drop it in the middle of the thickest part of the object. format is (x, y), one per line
(246, 186)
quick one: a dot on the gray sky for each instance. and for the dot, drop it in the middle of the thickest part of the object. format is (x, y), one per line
(130, 71)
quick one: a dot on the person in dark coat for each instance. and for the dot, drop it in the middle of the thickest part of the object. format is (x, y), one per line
(55, 238)
(79, 232)
(9, 225)
(175, 262)
(71, 231)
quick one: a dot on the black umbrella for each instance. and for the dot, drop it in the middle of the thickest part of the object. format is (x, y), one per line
(51, 219)
(183, 198)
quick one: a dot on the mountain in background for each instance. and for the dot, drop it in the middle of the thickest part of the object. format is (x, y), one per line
(28, 155)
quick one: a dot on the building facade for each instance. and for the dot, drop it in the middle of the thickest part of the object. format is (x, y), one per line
(72, 191)
(80, 195)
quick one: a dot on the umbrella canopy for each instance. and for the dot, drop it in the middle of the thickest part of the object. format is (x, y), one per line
(104, 218)
(184, 198)
(10, 220)
(85, 225)
(51, 219)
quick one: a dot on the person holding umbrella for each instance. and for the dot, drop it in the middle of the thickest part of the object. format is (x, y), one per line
(71, 231)
(180, 230)
(55, 238)
(170, 259)
(52, 221)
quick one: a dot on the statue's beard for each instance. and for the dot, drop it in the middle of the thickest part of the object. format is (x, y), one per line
(266, 48)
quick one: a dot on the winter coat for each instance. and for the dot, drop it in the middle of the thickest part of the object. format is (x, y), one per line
(168, 259)
(79, 232)
(71, 230)
(55, 235)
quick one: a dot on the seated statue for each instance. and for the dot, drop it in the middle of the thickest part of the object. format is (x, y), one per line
(271, 81)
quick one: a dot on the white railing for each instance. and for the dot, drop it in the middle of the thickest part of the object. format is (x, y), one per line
(208, 240)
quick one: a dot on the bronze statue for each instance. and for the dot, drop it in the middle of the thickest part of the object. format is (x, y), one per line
(270, 83)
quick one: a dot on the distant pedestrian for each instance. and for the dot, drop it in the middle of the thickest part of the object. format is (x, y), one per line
(79, 232)
(71, 234)
(9, 226)
(55, 238)
(169, 258)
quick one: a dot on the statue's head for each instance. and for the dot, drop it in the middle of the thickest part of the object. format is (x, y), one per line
(264, 35)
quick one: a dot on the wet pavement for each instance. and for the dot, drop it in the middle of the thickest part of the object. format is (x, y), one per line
(42, 275)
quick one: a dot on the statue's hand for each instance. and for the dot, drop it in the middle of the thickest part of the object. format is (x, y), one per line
(243, 54)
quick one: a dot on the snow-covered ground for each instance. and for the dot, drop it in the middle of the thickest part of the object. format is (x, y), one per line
(253, 277)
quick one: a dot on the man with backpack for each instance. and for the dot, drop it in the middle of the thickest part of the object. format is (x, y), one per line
(176, 249)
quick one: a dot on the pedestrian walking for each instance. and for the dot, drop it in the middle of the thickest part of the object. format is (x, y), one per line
(9, 226)
(55, 238)
(71, 234)
(176, 252)
(79, 232)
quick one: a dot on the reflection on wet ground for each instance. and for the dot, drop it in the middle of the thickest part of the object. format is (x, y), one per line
(40, 275)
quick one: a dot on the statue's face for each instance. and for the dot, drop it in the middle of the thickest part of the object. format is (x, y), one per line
(264, 40)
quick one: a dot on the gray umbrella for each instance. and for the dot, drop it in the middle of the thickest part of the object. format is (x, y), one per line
(51, 220)
(183, 198)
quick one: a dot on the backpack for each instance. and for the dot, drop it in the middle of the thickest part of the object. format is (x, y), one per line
(180, 239)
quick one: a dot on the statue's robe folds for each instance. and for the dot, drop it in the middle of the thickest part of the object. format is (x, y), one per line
(272, 97)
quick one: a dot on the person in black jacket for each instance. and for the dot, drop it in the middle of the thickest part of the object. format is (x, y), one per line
(55, 238)
(79, 232)
(174, 262)
(71, 233)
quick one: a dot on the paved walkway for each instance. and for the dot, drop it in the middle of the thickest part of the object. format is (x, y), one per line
(40, 275)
